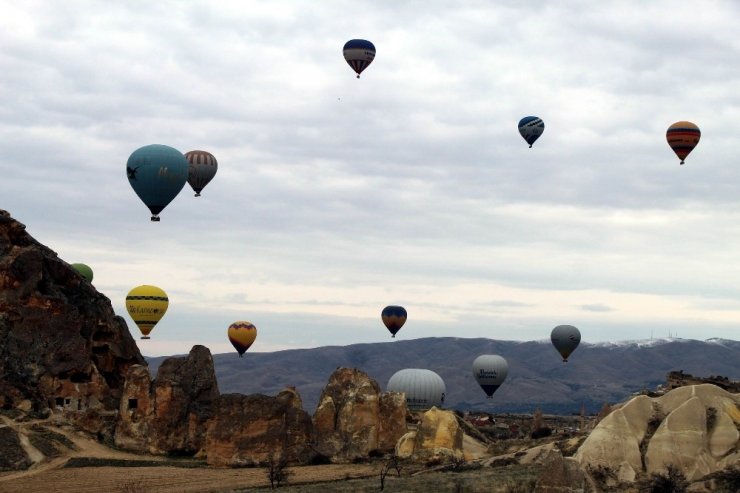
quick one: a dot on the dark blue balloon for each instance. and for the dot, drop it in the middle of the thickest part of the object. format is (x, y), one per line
(359, 53)
(393, 317)
(530, 128)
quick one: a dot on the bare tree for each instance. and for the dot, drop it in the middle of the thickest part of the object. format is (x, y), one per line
(277, 471)
(392, 463)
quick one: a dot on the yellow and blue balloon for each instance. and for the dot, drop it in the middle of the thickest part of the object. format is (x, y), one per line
(146, 305)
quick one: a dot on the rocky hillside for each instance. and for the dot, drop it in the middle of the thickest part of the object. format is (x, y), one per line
(61, 344)
(595, 374)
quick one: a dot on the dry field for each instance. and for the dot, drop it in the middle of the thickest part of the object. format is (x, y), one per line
(77, 463)
(165, 479)
(158, 474)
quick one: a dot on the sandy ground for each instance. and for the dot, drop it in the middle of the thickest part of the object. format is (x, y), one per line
(49, 475)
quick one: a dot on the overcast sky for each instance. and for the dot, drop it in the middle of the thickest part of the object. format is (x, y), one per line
(335, 197)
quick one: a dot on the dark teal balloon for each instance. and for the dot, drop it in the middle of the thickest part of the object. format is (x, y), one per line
(157, 173)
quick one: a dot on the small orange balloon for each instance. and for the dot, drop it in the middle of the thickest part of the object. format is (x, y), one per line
(242, 335)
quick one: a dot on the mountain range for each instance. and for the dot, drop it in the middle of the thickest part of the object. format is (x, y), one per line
(595, 374)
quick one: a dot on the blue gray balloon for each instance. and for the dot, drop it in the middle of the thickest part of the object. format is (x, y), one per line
(565, 338)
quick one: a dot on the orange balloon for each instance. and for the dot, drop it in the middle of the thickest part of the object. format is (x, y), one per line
(242, 334)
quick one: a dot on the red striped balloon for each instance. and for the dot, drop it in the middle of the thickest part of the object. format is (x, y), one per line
(683, 137)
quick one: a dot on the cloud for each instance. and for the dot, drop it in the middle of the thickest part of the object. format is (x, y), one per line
(595, 307)
(337, 196)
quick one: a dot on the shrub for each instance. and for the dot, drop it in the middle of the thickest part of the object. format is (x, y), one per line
(603, 476)
(541, 432)
(728, 480)
(672, 481)
(505, 461)
(711, 418)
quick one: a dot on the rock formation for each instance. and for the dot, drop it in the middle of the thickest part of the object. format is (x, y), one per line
(170, 414)
(694, 428)
(438, 438)
(62, 347)
(253, 429)
(354, 419)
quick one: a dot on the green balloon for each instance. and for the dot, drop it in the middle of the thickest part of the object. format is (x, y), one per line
(84, 270)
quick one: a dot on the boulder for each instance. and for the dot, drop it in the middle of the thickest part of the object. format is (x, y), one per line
(615, 442)
(392, 420)
(681, 441)
(254, 429)
(170, 414)
(438, 438)
(62, 348)
(354, 419)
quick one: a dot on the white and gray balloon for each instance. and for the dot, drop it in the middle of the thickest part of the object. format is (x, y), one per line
(490, 371)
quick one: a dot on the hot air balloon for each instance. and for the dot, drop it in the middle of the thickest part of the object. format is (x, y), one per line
(202, 169)
(359, 53)
(490, 371)
(565, 338)
(393, 317)
(530, 128)
(683, 137)
(84, 270)
(242, 335)
(146, 305)
(423, 388)
(157, 173)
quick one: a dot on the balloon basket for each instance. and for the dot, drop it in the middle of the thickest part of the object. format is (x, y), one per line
(145, 337)
(197, 195)
(155, 219)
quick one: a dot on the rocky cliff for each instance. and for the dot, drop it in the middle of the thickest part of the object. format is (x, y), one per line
(61, 345)
(169, 415)
(694, 428)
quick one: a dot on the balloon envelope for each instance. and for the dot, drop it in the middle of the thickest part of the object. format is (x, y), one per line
(359, 53)
(530, 128)
(146, 305)
(683, 137)
(423, 388)
(242, 335)
(84, 270)
(490, 371)
(202, 167)
(157, 173)
(393, 317)
(565, 338)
